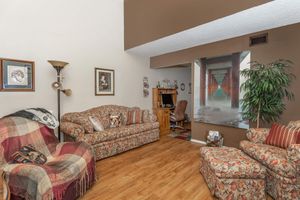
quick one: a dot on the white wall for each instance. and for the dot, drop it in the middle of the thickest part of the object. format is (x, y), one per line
(87, 34)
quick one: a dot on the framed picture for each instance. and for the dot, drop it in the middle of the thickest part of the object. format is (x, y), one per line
(104, 82)
(16, 75)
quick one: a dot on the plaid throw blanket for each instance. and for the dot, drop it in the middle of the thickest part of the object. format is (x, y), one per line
(67, 174)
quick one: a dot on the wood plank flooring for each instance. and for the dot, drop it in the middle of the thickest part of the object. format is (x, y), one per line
(164, 170)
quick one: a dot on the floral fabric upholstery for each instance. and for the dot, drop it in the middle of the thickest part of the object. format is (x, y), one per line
(283, 165)
(227, 162)
(281, 188)
(113, 147)
(258, 135)
(294, 157)
(272, 157)
(111, 141)
(294, 124)
(119, 132)
(230, 174)
(73, 130)
(80, 119)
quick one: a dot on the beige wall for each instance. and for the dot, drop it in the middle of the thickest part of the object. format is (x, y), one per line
(87, 34)
(148, 20)
(283, 43)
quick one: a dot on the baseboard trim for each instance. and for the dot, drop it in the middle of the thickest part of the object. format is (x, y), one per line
(198, 141)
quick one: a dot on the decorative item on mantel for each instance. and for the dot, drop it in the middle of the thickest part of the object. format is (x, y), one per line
(166, 83)
(158, 84)
(58, 66)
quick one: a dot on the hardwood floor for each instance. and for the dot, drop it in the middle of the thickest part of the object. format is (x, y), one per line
(167, 169)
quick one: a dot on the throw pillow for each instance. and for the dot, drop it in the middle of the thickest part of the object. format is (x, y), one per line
(283, 136)
(134, 116)
(27, 154)
(115, 121)
(96, 123)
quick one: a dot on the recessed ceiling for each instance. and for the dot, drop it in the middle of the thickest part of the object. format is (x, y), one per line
(271, 15)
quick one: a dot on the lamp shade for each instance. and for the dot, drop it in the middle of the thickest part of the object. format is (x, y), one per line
(58, 64)
(67, 92)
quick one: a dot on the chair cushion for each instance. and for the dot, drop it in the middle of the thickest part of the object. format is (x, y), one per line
(228, 162)
(283, 136)
(119, 132)
(274, 158)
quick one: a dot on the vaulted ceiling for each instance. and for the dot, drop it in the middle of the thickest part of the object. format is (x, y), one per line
(216, 22)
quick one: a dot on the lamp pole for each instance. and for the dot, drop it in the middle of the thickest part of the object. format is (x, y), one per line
(58, 66)
(58, 69)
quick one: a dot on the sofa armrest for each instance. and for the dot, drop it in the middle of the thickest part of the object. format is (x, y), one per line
(149, 117)
(74, 130)
(293, 155)
(153, 118)
(258, 135)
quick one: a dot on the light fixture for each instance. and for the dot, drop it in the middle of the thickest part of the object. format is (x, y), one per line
(58, 66)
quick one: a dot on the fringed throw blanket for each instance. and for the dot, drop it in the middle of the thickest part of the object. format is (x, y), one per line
(40, 115)
(67, 174)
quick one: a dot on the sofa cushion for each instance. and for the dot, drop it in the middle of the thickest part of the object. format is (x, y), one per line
(282, 136)
(274, 158)
(228, 162)
(134, 116)
(115, 133)
(115, 120)
(96, 123)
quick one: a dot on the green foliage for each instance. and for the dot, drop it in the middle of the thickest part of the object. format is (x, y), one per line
(266, 88)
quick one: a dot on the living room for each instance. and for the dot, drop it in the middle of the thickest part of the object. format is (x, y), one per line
(141, 45)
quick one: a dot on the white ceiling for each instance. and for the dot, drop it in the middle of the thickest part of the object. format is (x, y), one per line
(274, 14)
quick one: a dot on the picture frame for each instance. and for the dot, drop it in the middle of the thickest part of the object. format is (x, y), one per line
(104, 82)
(17, 75)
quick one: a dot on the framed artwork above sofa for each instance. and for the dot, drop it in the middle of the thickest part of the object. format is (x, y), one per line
(104, 82)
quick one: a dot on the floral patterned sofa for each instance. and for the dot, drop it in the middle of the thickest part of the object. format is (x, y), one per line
(283, 165)
(77, 127)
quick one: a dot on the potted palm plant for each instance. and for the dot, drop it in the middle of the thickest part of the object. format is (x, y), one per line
(266, 88)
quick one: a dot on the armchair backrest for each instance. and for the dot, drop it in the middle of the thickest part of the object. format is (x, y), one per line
(16, 132)
(180, 110)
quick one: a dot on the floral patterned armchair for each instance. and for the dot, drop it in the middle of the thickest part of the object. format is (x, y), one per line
(283, 165)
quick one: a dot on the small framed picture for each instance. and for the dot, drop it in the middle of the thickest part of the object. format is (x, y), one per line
(104, 82)
(16, 75)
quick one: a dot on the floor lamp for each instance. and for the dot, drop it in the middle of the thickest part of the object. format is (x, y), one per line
(58, 66)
